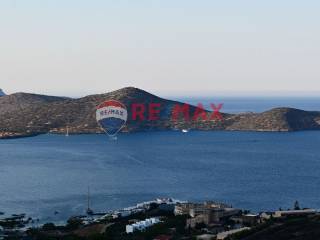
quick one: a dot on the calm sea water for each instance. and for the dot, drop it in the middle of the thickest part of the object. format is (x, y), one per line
(258, 171)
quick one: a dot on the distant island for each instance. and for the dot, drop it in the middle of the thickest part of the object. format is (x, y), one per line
(25, 114)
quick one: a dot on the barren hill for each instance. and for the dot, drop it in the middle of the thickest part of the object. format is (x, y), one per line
(24, 114)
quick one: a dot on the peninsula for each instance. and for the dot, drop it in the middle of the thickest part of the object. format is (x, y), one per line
(25, 114)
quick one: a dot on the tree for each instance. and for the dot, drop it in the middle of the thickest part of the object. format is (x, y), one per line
(74, 223)
(48, 227)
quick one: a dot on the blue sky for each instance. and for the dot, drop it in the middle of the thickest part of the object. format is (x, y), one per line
(68, 47)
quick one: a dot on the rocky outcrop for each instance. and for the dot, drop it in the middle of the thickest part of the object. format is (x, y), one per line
(24, 114)
(277, 119)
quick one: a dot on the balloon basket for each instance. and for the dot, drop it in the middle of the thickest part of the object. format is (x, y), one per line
(113, 138)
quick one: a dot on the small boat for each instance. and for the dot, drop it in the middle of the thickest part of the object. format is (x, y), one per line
(67, 133)
(185, 130)
(89, 210)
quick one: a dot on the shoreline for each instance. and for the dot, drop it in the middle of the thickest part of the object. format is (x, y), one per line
(231, 220)
(8, 136)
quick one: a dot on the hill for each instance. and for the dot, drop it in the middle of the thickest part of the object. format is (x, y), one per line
(24, 114)
(296, 228)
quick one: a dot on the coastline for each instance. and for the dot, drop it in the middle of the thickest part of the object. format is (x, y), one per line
(229, 222)
(9, 135)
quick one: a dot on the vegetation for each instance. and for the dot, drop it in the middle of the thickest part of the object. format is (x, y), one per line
(297, 228)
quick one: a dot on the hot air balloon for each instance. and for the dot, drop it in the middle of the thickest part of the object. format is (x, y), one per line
(112, 116)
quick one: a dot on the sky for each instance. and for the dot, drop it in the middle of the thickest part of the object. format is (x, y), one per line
(169, 47)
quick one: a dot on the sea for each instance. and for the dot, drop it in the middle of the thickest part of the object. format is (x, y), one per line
(48, 176)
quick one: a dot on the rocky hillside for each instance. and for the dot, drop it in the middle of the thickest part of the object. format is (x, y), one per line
(24, 114)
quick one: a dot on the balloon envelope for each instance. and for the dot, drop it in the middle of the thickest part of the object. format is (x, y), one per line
(112, 116)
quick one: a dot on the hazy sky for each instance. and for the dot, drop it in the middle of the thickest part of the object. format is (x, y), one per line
(75, 47)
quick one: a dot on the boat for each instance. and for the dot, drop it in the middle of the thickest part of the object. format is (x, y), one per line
(89, 210)
(185, 130)
(67, 133)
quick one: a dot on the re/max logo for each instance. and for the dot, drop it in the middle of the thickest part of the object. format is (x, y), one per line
(111, 112)
(152, 112)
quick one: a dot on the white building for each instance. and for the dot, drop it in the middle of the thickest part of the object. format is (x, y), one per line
(295, 212)
(142, 225)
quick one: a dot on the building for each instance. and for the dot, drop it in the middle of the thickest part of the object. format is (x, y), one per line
(212, 217)
(142, 225)
(209, 213)
(194, 209)
(303, 212)
(183, 208)
(265, 216)
(247, 219)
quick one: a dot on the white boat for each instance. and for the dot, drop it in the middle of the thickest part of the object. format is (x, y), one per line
(89, 210)
(67, 133)
(185, 130)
